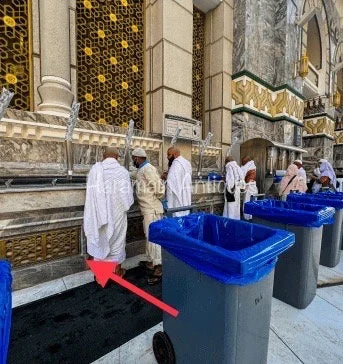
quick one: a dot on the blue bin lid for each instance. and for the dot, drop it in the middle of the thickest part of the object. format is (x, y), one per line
(316, 198)
(292, 213)
(330, 194)
(229, 251)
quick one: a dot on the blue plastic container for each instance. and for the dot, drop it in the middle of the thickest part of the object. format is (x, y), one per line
(293, 213)
(5, 308)
(219, 274)
(332, 235)
(296, 273)
(228, 250)
(213, 176)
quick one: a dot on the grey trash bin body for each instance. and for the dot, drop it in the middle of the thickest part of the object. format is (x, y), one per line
(219, 322)
(296, 272)
(337, 196)
(332, 234)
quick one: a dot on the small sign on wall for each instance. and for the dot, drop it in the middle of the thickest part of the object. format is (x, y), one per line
(190, 128)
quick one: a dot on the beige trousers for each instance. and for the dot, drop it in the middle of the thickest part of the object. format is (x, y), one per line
(152, 251)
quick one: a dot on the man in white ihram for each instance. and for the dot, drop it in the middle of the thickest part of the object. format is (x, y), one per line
(108, 198)
(179, 181)
(234, 182)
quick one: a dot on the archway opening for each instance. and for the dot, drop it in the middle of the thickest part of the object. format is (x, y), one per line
(314, 44)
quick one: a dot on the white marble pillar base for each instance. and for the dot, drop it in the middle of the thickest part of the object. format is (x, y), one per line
(56, 95)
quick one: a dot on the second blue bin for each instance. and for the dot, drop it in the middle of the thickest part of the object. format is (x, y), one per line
(296, 272)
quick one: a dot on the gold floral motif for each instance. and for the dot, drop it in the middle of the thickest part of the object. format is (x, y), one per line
(89, 97)
(124, 124)
(102, 121)
(11, 78)
(88, 51)
(101, 34)
(15, 49)
(135, 108)
(9, 21)
(114, 32)
(87, 4)
(101, 78)
(113, 60)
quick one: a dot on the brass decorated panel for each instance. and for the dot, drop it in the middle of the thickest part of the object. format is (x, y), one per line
(339, 137)
(40, 247)
(249, 93)
(15, 51)
(110, 55)
(322, 125)
(198, 64)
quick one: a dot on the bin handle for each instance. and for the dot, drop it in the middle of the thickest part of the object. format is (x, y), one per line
(169, 212)
(257, 196)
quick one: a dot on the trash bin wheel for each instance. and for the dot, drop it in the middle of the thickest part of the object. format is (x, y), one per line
(163, 348)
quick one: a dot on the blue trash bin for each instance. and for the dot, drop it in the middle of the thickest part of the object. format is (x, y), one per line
(332, 234)
(5, 308)
(296, 272)
(218, 273)
(335, 195)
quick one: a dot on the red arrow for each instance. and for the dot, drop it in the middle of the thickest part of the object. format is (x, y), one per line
(104, 271)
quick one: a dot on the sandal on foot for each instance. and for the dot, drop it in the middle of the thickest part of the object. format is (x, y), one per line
(145, 264)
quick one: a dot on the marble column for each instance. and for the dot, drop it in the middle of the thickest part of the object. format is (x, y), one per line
(168, 54)
(218, 71)
(55, 88)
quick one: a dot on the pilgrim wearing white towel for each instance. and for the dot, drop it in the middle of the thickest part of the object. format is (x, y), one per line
(249, 173)
(234, 181)
(179, 181)
(108, 198)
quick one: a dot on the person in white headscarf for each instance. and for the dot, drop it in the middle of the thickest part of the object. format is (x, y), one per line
(327, 175)
(315, 185)
(108, 198)
(179, 181)
(249, 173)
(291, 182)
(301, 171)
(234, 182)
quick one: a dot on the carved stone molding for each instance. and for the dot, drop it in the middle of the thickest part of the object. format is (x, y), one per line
(253, 95)
(321, 125)
(13, 128)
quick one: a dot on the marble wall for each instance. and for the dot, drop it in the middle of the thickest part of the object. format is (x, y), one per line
(259, 36)
(317, 147)
(338, 157)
